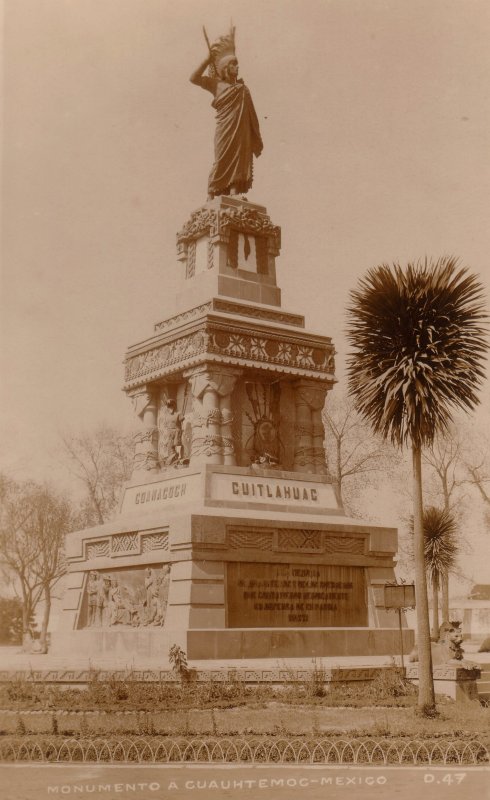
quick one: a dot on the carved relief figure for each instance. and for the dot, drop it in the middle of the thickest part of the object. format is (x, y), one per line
(93, 599)
(104, 600)
(162, 597)
(237, 137)
(170, 447)
(264, 445)
(119, 607)
(151, 586)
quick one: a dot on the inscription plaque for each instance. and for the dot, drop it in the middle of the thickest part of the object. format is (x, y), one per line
(296, 595)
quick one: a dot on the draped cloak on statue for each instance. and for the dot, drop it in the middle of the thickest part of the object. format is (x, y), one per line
(236, 141)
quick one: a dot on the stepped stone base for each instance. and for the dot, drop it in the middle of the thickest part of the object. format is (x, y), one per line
(236, 643)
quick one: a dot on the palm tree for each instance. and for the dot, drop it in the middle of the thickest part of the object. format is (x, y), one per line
(440, 549)
(419, 340)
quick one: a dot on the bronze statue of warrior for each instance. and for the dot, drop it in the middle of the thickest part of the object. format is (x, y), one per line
(237, 137)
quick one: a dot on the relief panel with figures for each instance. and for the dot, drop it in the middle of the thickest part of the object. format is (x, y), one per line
(125, 597)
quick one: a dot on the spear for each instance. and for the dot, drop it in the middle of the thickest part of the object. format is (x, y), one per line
(206, 37)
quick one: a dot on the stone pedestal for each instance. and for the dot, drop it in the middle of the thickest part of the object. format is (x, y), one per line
(230, 540)
(455, 679)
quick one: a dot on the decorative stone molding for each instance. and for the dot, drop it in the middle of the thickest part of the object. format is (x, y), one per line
(283, 317)
(203, 221)
(258, 538)
(154, 541)
(345, 544)
(217, 223)
(124, 543)
(222, 675)
(449, 671)
(221, 305)
(221, 223)
(185, 316)
(294, 540)
(298, 540)
(250, 221)
(98, 549)
(229, 344)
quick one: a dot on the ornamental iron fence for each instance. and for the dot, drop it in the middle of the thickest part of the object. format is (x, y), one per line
(236, 750)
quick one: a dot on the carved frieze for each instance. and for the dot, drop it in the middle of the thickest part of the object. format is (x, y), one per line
(97, 549)
(294, 540)
(125, 543)
(345, 544)
(300, 540)
(204, 220)
(256, 538)
(154, 541)
(232, 345)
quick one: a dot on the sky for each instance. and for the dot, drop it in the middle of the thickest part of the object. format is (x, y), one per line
(375, 117)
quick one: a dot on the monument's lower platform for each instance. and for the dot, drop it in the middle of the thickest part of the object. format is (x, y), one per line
(236, 644)
(230, 563)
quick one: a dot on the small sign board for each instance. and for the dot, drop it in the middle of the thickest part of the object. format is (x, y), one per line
(399, 595)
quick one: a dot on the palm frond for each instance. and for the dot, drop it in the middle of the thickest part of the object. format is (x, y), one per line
(419, 339)
(440, 542)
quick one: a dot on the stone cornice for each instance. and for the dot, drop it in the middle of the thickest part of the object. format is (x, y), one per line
(231, 307)
(294, 353)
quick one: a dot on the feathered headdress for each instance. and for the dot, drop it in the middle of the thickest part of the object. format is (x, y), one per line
(221, 51)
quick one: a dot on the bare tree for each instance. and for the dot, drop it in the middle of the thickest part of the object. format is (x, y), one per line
(101, 461)
(476, 460)
(354, 454)
(33, 523)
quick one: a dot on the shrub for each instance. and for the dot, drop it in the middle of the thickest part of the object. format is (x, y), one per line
(178, 659)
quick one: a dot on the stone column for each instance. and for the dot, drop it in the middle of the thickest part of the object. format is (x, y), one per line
(212, 438)
(146, 439)
(317, 401)
(226, 429)
(211, 415)
(309, 454)
(303, 433)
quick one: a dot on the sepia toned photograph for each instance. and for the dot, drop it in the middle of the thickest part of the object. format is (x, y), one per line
(244, 409)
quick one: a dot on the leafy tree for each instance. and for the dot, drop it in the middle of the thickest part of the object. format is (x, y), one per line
(10, 620)
(419, 339)
(440, 551)
(101, 461)
(33, 523)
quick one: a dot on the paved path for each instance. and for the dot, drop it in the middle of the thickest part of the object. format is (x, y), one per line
(218, 782)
